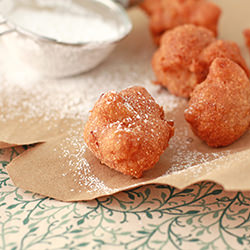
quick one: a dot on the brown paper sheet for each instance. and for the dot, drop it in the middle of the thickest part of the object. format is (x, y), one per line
(61, 166)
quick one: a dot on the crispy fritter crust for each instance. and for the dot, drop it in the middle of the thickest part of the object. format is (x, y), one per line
(219, 108)
(225, 49)
(176, 63)
(185, 55)
(168, 14)
(127, 131)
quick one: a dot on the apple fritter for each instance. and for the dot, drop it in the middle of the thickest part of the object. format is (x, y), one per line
(127, 131)
(219, 108)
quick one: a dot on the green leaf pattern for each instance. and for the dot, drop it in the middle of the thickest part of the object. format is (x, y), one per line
(203, 216)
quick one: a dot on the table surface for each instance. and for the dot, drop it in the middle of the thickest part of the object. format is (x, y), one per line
(202, 216)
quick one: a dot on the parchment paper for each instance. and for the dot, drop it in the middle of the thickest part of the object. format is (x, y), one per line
(61, 166)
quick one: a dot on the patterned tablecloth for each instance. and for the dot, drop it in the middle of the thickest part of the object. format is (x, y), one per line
(202, 216)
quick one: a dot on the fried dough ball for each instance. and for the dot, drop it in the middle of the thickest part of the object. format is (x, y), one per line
(127, 131)
(219, 108)
(247, 37)
(184, 57)
(168, 14)
(176, 63)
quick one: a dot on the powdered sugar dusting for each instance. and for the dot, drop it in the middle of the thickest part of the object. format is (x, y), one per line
(169, 102)
(185, 156)
(72, 151)
(28, 101)
(74, 25)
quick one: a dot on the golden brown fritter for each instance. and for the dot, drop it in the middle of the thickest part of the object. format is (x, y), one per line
(219, 108)
(247, 38)
(176, 63)
(185, 55)
(168, 14)
(127, 131)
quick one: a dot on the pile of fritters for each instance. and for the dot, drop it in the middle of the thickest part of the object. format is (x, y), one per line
(183, 59)
(127, 130)
(190, 62)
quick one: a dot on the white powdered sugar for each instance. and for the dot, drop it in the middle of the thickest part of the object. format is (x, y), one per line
(71, 25)
(184, 156)
(72, 151)
(61, 38)
(28, 101)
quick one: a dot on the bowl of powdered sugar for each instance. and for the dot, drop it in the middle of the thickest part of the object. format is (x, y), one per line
(62, 37)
